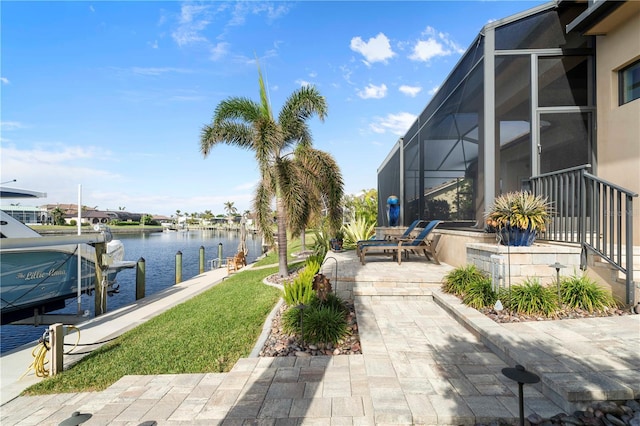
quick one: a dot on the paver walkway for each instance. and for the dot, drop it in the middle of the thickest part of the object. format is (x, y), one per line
(421, 364)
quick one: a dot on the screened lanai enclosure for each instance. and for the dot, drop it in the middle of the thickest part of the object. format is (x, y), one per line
(519, 103)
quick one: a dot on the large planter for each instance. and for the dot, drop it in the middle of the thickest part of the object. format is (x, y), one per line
(516, 237)
(393, 210)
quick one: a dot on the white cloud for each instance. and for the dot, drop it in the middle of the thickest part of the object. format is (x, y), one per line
(158, 70)
(303, 83)
(410, 90)
(10, 125)
(91, 8)
(219, 50)
(153, 44)
(193, 20)
(397, 124)
(377, 49)
(4, 80)
(346, 74)
(373, 92)
(55, 169)
(434, 90)
(434, 44)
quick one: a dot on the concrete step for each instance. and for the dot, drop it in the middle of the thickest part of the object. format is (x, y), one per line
(573, 371)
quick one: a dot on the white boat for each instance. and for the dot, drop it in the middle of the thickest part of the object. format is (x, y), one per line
(41, 272)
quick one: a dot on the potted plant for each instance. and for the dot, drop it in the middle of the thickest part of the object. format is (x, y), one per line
(336, 243)
(518, 217)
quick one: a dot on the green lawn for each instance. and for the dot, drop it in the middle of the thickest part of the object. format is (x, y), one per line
(208, 333)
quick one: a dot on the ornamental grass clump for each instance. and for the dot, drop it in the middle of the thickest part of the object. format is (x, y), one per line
(460, 279)
(479, 294)
(580, 292)
(324, 324)
(530, 298)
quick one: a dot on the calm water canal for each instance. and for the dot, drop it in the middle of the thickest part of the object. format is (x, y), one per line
(159, 251)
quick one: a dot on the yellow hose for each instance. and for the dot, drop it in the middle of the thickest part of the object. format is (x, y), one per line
(39, 354)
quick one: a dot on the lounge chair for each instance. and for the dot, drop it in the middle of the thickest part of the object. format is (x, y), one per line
(416, 245)
(406, 234)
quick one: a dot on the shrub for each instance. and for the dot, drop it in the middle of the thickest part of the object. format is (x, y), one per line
(457, 281)
(320, 321)
(314, 258)
(312, 265)
(358, 229)
(300, 290)
(519, 209)
(291, 320)
(530, 298)
(322, 242)
(323, 324)
(580, 292)
(480, 294)
(332, 301)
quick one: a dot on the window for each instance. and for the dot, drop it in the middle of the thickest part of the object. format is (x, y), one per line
(629, 81)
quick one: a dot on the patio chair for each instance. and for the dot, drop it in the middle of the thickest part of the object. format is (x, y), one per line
(236, 262)
(410, 245)
(406, 234)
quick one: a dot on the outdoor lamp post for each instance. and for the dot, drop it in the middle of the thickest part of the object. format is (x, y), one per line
(520, 375)
(301, 307)
(558, 266)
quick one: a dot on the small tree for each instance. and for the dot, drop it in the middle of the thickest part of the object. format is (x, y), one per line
(58, 216)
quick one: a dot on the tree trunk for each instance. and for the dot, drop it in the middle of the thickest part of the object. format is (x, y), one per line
(303, 241)
(283, 266)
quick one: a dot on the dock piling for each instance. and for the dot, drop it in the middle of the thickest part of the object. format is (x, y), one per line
(178, 267)
(219, 255)
(201, 259)
(100, 301)
(56, 340)
(141, 278)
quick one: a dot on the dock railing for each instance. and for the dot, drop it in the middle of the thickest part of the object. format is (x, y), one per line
(592, 212)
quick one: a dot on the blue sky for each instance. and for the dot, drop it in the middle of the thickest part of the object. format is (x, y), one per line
(113, 95)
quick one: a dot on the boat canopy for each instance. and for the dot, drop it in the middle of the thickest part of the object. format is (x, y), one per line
(20, 193)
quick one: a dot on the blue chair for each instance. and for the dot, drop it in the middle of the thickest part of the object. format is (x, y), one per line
(405, 234)
(418, 244)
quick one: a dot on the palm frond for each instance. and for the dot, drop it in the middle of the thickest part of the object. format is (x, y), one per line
(237, 108)
(237, 134)
(264, 98)
(263, 212)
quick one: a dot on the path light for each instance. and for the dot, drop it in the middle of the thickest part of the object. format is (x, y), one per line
(498, 306)
(558, 266)
(75, 419)
(520, 375)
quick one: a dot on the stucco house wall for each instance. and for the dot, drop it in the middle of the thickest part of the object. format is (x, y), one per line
(618, 131)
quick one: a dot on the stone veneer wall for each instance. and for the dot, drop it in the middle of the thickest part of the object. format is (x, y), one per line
(526, 262)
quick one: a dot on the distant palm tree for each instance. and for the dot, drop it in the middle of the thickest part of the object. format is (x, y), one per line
(291, 170)
(230, 208)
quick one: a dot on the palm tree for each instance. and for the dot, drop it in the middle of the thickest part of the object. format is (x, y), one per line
(292, 172)
(230, 208)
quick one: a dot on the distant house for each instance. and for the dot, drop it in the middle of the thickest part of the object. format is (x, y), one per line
(92, 217)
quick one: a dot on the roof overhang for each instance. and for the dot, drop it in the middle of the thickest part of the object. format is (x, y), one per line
(601, 16)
